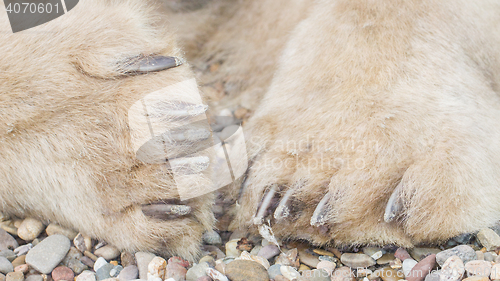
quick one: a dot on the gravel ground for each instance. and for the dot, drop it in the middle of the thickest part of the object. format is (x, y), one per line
(31, 251)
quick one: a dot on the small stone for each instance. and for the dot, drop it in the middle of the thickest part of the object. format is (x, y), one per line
(363, 272)
(115, 263)
(157, 268)
(374, 252)
(34, 277)
(2, 277)
(289, 272)
(208, 259)
(23, 249)
(308, 259)
(79, 242)
(322, 252)
(328, 266)
(489, 256)
(269, 251)
(143, 259)
(54, 228)
(24, 268)
(385, 259)
(478, 268)
(29, 229)
(202, 278)
(357, 260)
(14, 276)
(422, 268)
(87, 275)
(231, 248)
(343, 273)
(396, 264)
(197, 271)
(8, 254)
(108, 252)
(90, 255)
(464, 252)
(245, 245)
(128, 273)
(479, 255)
(62, 273)
(46, 255)
(476, 278)
(215, 275)
(290, 258)
(76, 265)
(280, 278)
(315, 275)
(274, 270)
(212, 238)
(433, 276)
(389, 274)
(241, 270)
(495, 272)
(303, 267)
(453, 269)
(5, 265)
(246, 256)
(116, 270)
(178, 260)
(7, 242)
(408, 265)
(99, 263)
(104, 272)
(420, 253)
(220, 266)
(488, 238)
(87, 261)
(19, 260)
(401, 254)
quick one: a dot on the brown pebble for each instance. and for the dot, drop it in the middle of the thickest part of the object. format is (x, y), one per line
(14, 276)
(62, 273)
(115, 263)
(243, 270)
(343, 273)
(127, 259)
(422, 268)
(19, 261)
(87, 261)
(245, 245)
(90, 255)
(389, 274)
(401, 254)
(478, 268)
(2, 277)
(24, 268)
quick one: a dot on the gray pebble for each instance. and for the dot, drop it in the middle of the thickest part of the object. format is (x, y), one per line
(327, 258)
(8, 254)
(357, 260)
(87, 275)
(45, 256)
(7, 242)
(418, 253)
(127, 259)
(269, 251)
(128, 273)
(108, 252)
(489, 239)
(143, 259)
(488, 256)
(100, 262)
(87, 261)
(5, 266)
(34, 277)
(212, 238)
(23, 250)
(14, 276)
(116, 270)
(479, 255)
(464, 252)
(76, 265)
(197, 271)
(103, 272)
(274, 270)
(432, 276)
(463, 238)
(315, 275)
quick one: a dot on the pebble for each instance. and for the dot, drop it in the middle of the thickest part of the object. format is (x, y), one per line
(476, 278)
(8, 254)
(62, 273)
(363, 272)
(408, 265)
(269, 251)
(212, 238)
(54, 228)
(79, 242)
(86, 275)
(208, 259)
(478, 268)
(116, 271)
(385, 259)
(453, 269)
(103, 272)
(303, 267)
(2, 277)
(479, 255)
(290, 258)
(322, 252)
(143, 259)
(308, 258)
(343, 273)
(246, 256)
(99, 263)
(389, 274)
(108, 252)
(274, 270)
(197, 271)
(14, 276)
(433, 276)
(489, 239)
(374, 252)
(489, 256)
(7, 242)
(328, 266)
(495, 272)
(242, 270)
(401, 254)
(422, 268)
(23, 249)
(315, 275)
(130, 272)
(127, 259)
(419, 253)
(19, 260)
(46, 255)
(5, 266)
(29, 229)
(176, 268)
(357, 260)
(231, 250)
(24, 268)
(464, 252)
(215, 275)
(34, 277)
(280, 278)
(203, 278)
(76, 265)
(289, 272)
(157, 268)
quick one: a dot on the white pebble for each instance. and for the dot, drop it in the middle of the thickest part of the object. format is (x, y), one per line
(408, 265)
(289, 272)
(99, 263)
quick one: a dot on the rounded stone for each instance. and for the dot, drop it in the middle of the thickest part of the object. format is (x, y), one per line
(269, 251)
(14, 276)
(464, 252)
(108, 252)
(99, 263)
(127, 259)
(495, 272)
(157, 268)
(7, 242)
(29, 229)
(54, 228)
(478, 268)
(308, 259)
(274, 270)
(357, 260)
(86, 275)
(116, 270)
(489, 239)
(408, 265)
(420, 253)
(197, 271)
(231, 250)
(104, 272)
(46, 255)
(328, 266)
(130, 272)
(343, 273)
(211, 238)
(143, 259)
(242, 270)
(401, 254)
(289, 272)
(422, 268)
(453, 269)
(390, 274)
(62, 273)
(5, 266)
(24, 268)
(476, 278)
(314, 275)
(34, 277)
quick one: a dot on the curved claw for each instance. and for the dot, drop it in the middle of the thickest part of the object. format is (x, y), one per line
(283, 210)
(189, 165)
(165, 210)
(145, 64)
(394, 205)
(259, 217)
(319, 216)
